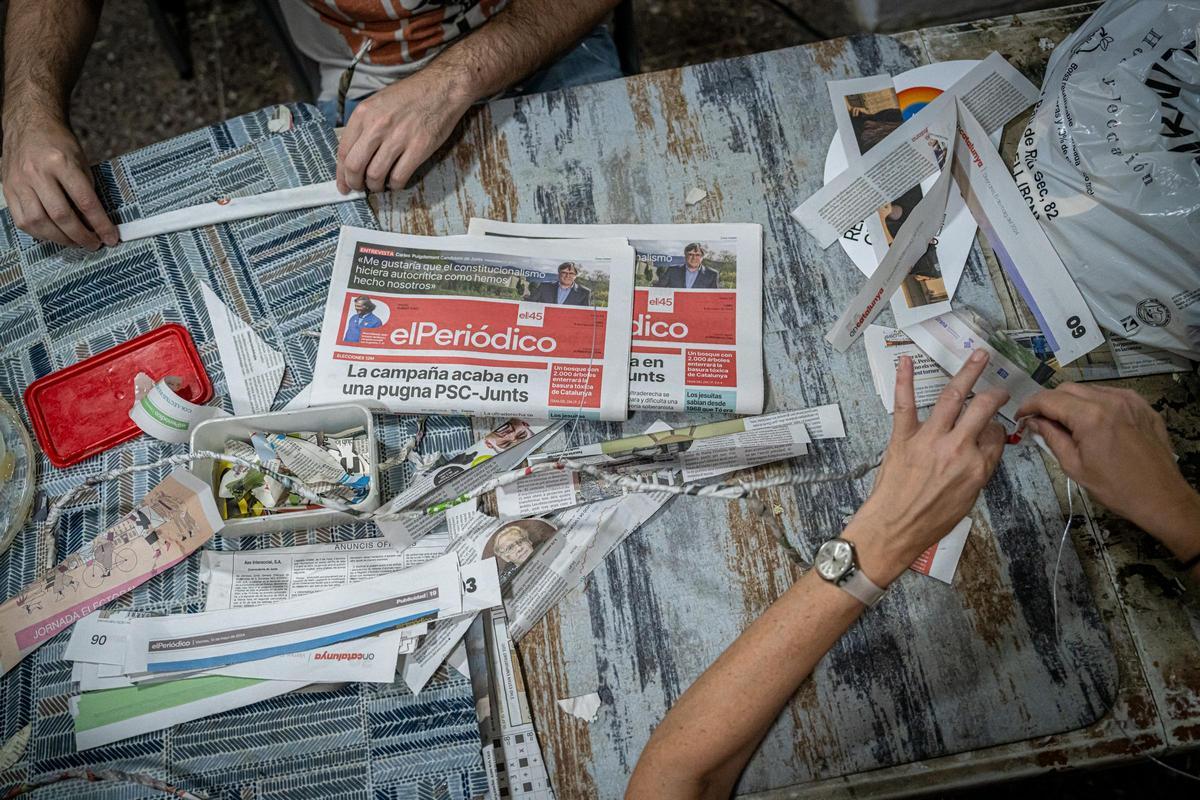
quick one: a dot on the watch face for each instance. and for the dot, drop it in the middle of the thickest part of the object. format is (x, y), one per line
(834, 559)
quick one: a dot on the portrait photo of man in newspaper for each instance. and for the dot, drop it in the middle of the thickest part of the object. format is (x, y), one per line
(682, 264)
(567, 291)
(692, 274)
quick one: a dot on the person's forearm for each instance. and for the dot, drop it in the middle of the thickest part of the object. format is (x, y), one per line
(45, 42)
(704, 742)
(523, 37)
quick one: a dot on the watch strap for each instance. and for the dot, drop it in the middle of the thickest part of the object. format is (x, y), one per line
(861, 588)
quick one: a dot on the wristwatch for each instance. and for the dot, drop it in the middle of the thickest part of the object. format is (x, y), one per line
(837, 563)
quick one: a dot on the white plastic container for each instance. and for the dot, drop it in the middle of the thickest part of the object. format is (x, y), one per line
(213, 433)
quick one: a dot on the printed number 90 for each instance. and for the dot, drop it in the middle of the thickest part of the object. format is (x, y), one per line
(1076, 326)
(99, 639)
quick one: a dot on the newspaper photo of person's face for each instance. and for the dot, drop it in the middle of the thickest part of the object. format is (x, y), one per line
(685, 264)
(874, 115)
(514, 543)
(512, 432)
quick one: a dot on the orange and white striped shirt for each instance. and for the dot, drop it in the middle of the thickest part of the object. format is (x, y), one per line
(406, 35)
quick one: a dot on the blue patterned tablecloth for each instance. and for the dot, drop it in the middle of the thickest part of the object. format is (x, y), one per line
(59, 306)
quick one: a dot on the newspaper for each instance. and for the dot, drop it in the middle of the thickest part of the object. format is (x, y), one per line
(912, 89)
(885, 346)
(993, 92)
(251, 578)
(866, 111)
(912, 243)
(697, 319)
(584, 536)
(1020, 244)
(228, 636)
(1117, 358)
(524, 775)
(477, 325)
(109, 716)
(173, 520)
(820, 422)
(1018, 241)
(949, 339)
(368, 659)
(543, 492)
(503, 447)
(252, 368)
(161, 413)
(941, 560)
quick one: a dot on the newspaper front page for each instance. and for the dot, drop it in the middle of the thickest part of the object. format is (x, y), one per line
(481, 326)
(697, 311)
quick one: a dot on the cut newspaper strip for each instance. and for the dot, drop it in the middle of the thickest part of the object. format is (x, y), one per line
(1020, 244)
(161, 413)
(478, 325)
(910, 245)
(524, 776)
(866, 110)
(228, 209)
(993, 91)
(252, 369)
(502, 448)
(215, 638)
(109, 716)
(821, 422)
(697, 311)
(251, 578)
(174, 519)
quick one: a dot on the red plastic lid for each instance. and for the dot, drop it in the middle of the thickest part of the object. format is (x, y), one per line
(84, 409)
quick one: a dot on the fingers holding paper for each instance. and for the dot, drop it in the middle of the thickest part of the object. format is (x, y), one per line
(1116, 446)
(932, 471)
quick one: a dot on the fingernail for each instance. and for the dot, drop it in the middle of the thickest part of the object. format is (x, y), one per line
(978, 356)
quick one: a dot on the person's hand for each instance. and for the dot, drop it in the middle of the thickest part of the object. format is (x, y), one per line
(932, 471)
(393, 132)
(48, 185)
(1114, 445)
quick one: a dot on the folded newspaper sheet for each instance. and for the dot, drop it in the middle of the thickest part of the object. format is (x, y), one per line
(511, 754)
(215, 638)
(173, 520)
(697, 311)
(949, 339)
(866, 110)
(478, 325)
(885, 346)
(989, 95)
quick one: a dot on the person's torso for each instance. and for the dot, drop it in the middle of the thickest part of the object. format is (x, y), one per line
(406, 35)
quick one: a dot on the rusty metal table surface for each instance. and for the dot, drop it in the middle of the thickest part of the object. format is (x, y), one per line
(938, 685)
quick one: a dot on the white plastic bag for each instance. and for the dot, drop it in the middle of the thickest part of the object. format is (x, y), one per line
(1110, 165)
